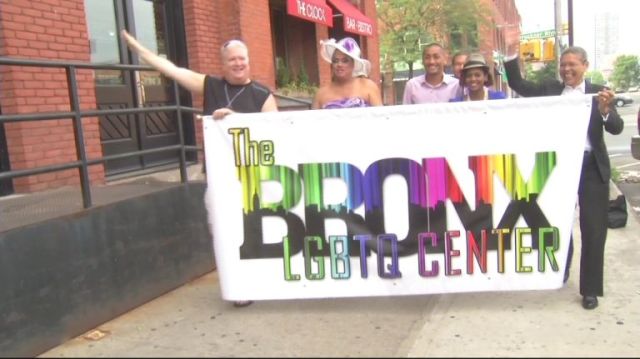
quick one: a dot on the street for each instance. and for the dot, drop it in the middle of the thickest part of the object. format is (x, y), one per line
(627, 168)
(194, 321)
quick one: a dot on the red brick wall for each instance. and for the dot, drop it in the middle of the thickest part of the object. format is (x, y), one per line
(372, 43)
(54, 30)
(229, 18)
(203, 44)
(255, 30)
(324, 69)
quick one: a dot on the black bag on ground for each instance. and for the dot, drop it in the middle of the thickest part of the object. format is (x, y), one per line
(617, 212)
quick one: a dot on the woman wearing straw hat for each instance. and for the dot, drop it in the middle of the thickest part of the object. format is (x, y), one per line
(349, 85)
(475, 79)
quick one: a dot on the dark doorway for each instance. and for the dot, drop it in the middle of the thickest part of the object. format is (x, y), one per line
(294, 46)
(158, 25)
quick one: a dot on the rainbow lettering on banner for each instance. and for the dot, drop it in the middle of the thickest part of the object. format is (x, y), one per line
(430, 183)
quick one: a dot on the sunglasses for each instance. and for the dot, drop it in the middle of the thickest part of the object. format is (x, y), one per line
(233, 42)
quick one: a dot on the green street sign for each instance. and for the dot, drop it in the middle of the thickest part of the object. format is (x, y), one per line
(538, 35)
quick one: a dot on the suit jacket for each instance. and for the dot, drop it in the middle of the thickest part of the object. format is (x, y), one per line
(613, 125)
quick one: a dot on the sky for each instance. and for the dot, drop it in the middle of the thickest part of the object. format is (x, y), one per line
(538, 15)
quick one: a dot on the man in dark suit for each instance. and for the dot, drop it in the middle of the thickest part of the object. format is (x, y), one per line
(593, 190)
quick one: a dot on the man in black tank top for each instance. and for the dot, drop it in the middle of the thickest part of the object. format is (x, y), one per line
(234, 92)
(218, 94)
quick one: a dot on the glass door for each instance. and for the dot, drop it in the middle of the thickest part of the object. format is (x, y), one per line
(158, 128)
(149, 22)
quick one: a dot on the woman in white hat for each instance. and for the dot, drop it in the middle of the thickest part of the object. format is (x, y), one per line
(349, 85)
(475, 78)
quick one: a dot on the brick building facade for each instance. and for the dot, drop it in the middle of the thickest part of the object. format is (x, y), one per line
(502, 13)
(54, 30)
(66, 31)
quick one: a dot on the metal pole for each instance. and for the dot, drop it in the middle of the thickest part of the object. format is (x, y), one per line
(81, 154)
(183, 160)
(558, 42)
(570, 20)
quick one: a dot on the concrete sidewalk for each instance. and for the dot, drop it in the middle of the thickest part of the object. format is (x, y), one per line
(193, 321)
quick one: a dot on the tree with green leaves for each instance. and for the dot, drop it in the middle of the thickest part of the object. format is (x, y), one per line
(626, 72)
(404, 33)
(596, 77)
(411, 24)
(547, 72)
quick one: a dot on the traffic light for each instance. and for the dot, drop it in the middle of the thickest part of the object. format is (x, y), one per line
(549, 50)
(525, 50)
(536, 50)
(531, 50)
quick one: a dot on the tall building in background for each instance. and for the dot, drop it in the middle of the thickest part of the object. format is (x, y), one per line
(606, 34)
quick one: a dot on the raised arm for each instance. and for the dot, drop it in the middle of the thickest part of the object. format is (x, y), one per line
(191, 80)
(512, 65)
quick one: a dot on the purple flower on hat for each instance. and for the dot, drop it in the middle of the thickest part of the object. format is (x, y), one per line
(349, 44)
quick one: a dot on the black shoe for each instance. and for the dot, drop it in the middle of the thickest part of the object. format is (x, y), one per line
(242, 303)
(589, 302)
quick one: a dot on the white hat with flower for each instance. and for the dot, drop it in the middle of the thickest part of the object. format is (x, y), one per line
(349, 47)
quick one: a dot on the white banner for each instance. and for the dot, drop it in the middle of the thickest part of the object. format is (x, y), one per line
(396, 200)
